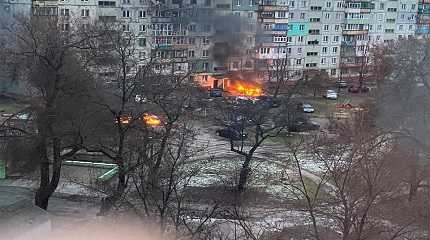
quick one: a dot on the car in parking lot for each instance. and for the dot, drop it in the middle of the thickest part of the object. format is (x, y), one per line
(330, 94)
(307, 108)
(231, 133)
(357, 89)
(342, 83)
(268, 101)
(215, 92)
(302, 126)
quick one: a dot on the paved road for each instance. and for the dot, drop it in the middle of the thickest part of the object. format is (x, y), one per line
(215, 147)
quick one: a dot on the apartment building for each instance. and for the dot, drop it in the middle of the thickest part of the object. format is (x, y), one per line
(423, 18)
(315, 35)
(271, 36)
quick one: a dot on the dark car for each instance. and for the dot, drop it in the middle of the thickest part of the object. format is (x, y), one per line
(356, 89)
(215, 92)
(268, 101)
(302, 126)
(342, 83)
(231, 133)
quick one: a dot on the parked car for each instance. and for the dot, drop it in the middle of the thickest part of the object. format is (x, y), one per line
(215, 92)
(307, 108)
(342, 83)
(356, 89)
(268, 101)
(244, 100)
(302, 126)
(330, 94)
(231, 133)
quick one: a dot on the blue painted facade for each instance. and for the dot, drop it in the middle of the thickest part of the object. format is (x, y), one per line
(294, 29)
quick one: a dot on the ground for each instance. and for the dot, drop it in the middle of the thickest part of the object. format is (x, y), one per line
(75, 202)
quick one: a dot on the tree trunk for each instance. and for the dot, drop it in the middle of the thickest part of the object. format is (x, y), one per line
(244, 173)
(110, 201)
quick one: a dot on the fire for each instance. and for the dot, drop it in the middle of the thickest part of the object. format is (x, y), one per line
(151, 120)
(243, 88)
(124, 119)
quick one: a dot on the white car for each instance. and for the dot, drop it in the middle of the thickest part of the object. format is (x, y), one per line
(331, 94)
(307, 108)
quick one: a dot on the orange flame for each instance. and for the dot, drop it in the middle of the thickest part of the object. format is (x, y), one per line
(243, 88)
(151, 119)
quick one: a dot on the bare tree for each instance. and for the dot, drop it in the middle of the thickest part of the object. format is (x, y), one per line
(60, 87)
(403, 108)
(356, 183)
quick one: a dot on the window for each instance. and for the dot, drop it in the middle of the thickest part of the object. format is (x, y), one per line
(336, 28)
(301, 27)
(237, 2)
(236, 65)
(280, 39)
(205, 40)
(299, 61)
(323, 61)
(126, 27)
(336, 39)
(142, 42)
(292, 4)
(142, 14)
(325, 39)
(250, 15)
(328, 4)
(302, 15)
(327, 15)
(334, 50)
(191, 53)
(381, 6)
(205, 53)
(326, 27)
(304, 3)
(291, 15)
(413, 6)
(126, 13)
(299, 50)
(300, 39)
(66, 27)
(85, 12)
(282, 14)
(333, 72)
(403, 6)
(324, 50)
(65, 12)
(142, 28)
(333, 60)
(124, 1)
(264, 50)
(401, 27)
(206, 64)
(411, 27)
(208, 3)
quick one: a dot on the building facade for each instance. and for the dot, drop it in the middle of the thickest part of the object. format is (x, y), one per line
(216, 37)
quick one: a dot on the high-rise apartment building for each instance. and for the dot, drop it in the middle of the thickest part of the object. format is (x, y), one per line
(423, 18)
(315, 35)
(217, 37)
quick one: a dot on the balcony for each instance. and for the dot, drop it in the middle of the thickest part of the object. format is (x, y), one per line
(354, 32)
